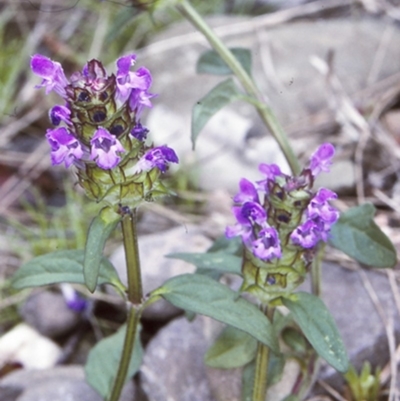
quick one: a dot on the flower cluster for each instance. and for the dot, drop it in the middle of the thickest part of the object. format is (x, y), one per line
(98, 128)
(280, 221)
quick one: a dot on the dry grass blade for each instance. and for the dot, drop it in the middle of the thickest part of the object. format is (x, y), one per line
(388, 323)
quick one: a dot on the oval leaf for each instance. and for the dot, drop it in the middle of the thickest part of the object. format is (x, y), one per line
(357, 235)
(223, 94)
(103, 361)
(61, 267)
(218, 261)
(201, 294)
(100, 229)
(232, 349)
(317, 324)
(210, 62)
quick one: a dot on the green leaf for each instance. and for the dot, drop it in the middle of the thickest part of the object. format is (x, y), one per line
(61, 267)
(223, 94)
(103, 361)
(248, 376)
(101, 228)
(219, 261)
(227, 245)
(201, 294)
(232, 349)
(210, 62)
(357, 235)
(317, 324)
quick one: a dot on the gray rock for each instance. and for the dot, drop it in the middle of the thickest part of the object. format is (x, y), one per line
(156, 268)
(294, 89)
(49, 314)
(62, 383)
(173, 367)
(359, 323)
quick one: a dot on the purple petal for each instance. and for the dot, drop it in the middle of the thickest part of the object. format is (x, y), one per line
(267, 245)
(64, 146)
(51, 72)
(252, 212)
(319, 207)
(306, 235)
(59, 113)
(139, 132)
(105, 148)
(321, 160)
(157, 157)
(247, 192)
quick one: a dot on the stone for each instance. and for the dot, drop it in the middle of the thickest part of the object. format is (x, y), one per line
(358, 321)
(24, 346)
(48, 313)
(61, 383)
(232, 143)
(156, 268)
(173, 367)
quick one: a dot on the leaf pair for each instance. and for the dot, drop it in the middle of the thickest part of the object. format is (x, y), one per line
(202, 294)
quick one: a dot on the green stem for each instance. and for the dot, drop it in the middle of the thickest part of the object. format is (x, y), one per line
(261, 369)
(135, 298)
(127, 350)
(316, 265)
(129, 231)
(265, 112)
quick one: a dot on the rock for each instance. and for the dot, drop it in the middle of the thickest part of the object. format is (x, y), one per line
(48, 313)
(173, 367)
(25, 346)
(156, 268)
(232, 144)
(62, 383)
(358, 321)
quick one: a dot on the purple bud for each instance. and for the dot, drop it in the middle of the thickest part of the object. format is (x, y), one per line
(157, 157)
(139, 132)
(59, 113)
(267, 245)
(52, 74)
(64, 146)
(321, 160)
(104, 149)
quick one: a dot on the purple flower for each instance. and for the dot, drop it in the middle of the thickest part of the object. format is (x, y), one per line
(72, 298)
(247, 192)
(64, 146)
(139, 132)
(247, 215)
(319, 207)
(59, 113)
(104, 149)
(243, 227)
(133, 85)
(267, 246)
(306, 235)
(52, 74)
(252, 212)
(321, 160)
(157, 157)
